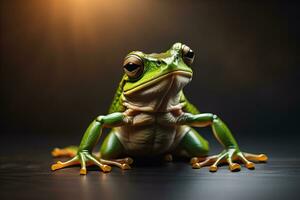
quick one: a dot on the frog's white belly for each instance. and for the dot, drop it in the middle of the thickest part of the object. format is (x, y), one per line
(151, 134)
(154, 130)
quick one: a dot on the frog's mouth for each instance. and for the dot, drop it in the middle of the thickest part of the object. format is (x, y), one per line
(158, 79)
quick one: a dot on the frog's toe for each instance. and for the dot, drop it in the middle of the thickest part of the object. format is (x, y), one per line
(256, 157)
(103, 166)
(213, 168)
(198, 162)
(126, 160)
(125, 166)
(60, 165)
(248, 164)
(56, 166)
(121, 163)
(106, 168)
(249, 158)
(234, 167)
(83, 171)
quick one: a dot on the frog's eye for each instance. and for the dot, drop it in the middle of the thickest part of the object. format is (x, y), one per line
(133, 66)
(188, 55)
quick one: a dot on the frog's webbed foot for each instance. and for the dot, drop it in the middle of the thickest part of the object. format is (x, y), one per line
(123, 163)
(83, 158)
(229, 157)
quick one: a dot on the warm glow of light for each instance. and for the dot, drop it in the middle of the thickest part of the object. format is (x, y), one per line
(80, 18)
(85, 21)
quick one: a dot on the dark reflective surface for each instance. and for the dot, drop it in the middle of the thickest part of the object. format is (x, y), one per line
(27, 175)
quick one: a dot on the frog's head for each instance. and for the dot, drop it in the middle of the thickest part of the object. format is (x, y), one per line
(155, 80)
(143, 70)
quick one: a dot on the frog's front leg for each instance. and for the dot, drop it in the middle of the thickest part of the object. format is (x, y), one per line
(231, 152)
(91, 136)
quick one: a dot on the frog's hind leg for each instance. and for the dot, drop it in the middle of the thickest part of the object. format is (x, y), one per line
(112, 150)
(193, 145)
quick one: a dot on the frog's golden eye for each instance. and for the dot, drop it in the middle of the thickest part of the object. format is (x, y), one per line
(188, 55)
(133, 66)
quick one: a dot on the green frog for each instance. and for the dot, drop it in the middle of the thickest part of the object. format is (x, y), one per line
(150, 116)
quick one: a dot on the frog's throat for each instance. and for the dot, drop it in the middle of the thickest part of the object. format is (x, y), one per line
(158, 79)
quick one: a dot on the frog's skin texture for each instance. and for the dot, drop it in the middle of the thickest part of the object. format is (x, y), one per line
(150, 116)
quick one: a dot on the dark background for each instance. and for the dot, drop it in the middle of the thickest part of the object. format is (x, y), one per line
(61, 62)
